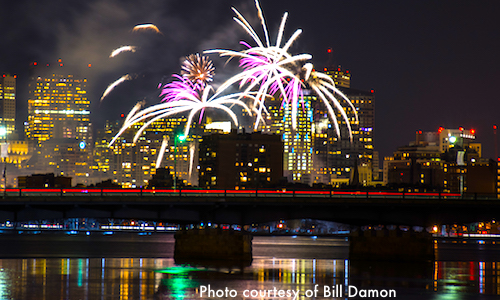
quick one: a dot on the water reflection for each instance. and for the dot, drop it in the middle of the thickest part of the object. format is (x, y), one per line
(289, 267)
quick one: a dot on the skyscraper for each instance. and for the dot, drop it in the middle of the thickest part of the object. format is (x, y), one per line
(342, 78)
(297, 142)
(58, 108)
(59, 124)
(336, 158)
(8, 103)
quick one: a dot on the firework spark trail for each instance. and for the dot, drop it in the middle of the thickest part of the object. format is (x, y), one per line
(271, 69)
(164, 146)
(136, 107)
(191, 159)
(122, 49)
(114, 84)
(177, 90)
(150, 27)
(263, 22)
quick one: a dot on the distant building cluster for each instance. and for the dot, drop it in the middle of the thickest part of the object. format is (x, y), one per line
(448, 160)
(60, 140)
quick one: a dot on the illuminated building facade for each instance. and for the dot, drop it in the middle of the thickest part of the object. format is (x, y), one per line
(59, 125)
(240, 161)
(58, 108)
(17, 156)
(133, 164)
(8, 104)
(498, 178)
(342, 78)
(67, 157)
(447, 160)
(335, 158)
(297, 143)
(103, 154)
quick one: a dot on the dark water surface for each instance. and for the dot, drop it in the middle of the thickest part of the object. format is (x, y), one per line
(131, 266)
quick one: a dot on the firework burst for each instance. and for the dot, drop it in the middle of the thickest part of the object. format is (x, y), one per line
(271, 69)
(198, 69)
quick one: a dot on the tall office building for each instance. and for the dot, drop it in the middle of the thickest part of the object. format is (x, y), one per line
(342, 78)
(335, 159)
(297, 142)
(59, 124)
(58, 108)
(313, 153)
(8, 104)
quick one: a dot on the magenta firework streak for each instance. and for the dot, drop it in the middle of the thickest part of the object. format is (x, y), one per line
(178, 90)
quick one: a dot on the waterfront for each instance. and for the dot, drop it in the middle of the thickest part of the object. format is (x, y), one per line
(131, 266)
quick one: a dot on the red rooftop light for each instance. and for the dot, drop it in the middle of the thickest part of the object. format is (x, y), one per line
(440, 129)
(325, 69)
(461, 128)
(473, 131)
(329, 50)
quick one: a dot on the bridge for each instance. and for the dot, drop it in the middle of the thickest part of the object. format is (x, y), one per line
(247, 206)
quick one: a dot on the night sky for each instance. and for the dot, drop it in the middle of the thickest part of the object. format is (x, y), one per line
(431, 63)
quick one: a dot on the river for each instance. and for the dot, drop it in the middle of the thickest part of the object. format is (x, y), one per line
(132, 266)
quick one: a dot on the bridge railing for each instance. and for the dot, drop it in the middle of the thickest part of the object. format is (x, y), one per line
(234, 194)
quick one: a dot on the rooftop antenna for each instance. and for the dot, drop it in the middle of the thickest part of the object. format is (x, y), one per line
(495, 140)
(329, 63)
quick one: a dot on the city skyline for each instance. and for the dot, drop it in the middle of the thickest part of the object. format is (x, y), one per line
(430, 64)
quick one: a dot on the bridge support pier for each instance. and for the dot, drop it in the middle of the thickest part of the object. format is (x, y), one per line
(211, 246)
(391, 245)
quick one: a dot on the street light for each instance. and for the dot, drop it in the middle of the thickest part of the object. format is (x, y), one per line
(181, 138)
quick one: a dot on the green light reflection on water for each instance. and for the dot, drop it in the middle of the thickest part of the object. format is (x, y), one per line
(177, 270)
(80, 272)
(452, 290)
(4, 287)
(178, 281)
